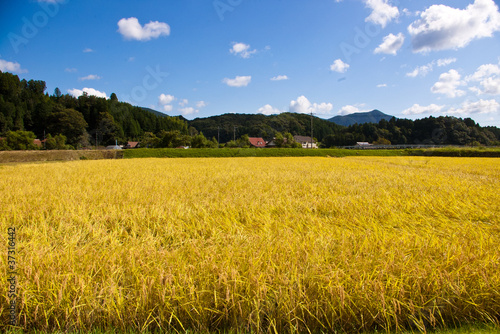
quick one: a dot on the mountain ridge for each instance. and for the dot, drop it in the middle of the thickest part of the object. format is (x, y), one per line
(374, 116)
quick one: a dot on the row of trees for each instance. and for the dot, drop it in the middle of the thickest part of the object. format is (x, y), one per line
(443, 130)
(88, 120)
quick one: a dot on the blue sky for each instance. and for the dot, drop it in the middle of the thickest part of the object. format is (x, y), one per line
(198, 58)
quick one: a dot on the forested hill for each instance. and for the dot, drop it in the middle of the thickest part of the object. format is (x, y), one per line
(24, 105)
(444, 130)
(258, 125)
(373, 116)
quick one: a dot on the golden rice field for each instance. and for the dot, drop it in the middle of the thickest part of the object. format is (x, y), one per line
(273, 245)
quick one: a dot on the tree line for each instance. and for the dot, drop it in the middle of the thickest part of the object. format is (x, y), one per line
(28, 112)
(443, 130)
(82, 122)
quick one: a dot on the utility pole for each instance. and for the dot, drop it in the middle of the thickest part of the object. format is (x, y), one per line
(218, 137)
(234, 133)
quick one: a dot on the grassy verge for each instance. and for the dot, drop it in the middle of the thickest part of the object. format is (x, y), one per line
(57, 155)
(253, 152)
(284, 152)
(32, 156)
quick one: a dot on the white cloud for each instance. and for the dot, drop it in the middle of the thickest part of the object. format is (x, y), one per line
(167, 107)
(382, 12)
(303, 106)
(421, 70)
(478, 107)
(279, 78)
(441, 27)
(239, 81)
(90, 77)
(8, 66)
(269, 110)
(70, 70)
(425, 69)
(165, 99)
(183, 102)
(90, 91)
(131, 29)
(448, 84)
(350, 109)
(417, 109)
(381, 85)
(242, 50)
(484, 71)
(88, 50)
(188, 111)
(391, 44)
(445, 61)
(339, 66)
(201, 104)
(488, 76)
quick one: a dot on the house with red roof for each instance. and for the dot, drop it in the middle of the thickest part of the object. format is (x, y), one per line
(257, 142)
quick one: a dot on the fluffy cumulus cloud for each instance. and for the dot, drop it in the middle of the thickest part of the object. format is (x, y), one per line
(239, 81)
(441, 27)
(269, 110)
(201, 104)
(90, 77)
(425, 69)
(183, 102)
(242, 50)
(303, 106)
(339, 66)
(131, 29)
(382, 12)
(90, 91)
(279, 78)
(8, 66)
(165, 100)
(488, 77)
(391, 44)
(478, 107)
(417, 109)
(448, 84)
(351, 109)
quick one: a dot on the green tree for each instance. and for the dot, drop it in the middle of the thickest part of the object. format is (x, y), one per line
(57, 92)
(244, 141)
(55, 143)
(150, 140)
(382, 141)
(199, 141)
(107, 128)
(71, 124)
(20, 140)
(279, 140)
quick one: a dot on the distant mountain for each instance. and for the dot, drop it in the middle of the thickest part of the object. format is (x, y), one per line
(373, 116)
